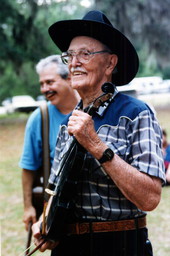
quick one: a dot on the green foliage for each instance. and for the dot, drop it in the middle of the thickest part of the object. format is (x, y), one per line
(23, 82)
(25, 40)
(148, 65)
(146, 24)
(9, 81)
(166, 73)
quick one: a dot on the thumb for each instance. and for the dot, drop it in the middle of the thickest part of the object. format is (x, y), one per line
(36, 230)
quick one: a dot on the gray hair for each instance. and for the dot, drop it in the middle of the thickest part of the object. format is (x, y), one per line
(61, 68)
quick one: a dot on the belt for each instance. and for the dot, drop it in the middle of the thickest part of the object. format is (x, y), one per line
(107, 226)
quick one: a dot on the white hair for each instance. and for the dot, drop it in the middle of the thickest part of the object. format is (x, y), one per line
(61, 68)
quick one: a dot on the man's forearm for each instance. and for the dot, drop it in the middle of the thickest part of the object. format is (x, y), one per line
(27, 183)
(141, 189)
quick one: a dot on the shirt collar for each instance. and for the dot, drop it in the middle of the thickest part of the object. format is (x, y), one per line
(102, 108)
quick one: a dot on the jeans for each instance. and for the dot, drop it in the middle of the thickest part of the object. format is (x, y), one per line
(120, 243)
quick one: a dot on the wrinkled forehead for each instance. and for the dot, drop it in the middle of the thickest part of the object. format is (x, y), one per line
(85, 42)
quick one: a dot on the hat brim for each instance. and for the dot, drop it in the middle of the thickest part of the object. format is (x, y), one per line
(62, 32)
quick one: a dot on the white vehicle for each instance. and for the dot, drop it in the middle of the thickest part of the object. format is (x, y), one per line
(129, 90)
(147, 85)
(21, 103)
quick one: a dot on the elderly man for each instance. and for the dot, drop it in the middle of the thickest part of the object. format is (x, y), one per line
(122, 172)
(54, 81)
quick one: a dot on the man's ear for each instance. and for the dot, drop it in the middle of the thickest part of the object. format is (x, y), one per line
(112, 63)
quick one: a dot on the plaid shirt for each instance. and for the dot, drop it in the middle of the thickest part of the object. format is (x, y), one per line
(129, 127)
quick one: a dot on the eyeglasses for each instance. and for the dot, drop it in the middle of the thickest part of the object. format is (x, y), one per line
(83, 56)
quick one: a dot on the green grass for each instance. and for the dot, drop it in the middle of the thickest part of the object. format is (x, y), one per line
(12, 228)
(13, 234)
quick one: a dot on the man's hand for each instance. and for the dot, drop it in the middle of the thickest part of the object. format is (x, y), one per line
(38, 238)
(81, 125)
(29, 216)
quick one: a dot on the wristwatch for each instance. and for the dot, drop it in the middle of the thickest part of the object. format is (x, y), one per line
(108, 155)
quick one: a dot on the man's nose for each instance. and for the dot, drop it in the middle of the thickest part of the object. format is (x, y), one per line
(75, 60)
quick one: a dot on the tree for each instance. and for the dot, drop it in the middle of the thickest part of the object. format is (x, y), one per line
(146, 23)
(25, 40)
(24, 36)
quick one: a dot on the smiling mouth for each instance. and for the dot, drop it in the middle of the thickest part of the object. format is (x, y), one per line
(49, 94)
(77, 72)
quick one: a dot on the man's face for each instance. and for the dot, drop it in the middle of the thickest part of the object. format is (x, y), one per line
(53, 86)
(88, 76)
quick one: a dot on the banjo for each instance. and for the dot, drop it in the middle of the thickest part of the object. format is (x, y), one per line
(60, 206)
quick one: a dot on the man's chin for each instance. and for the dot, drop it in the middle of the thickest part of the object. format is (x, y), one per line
(77, 84)
(53, 102)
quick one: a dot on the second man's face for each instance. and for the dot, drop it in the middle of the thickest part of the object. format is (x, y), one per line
(53, 86)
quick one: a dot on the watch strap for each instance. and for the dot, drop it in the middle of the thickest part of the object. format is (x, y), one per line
(108, 154)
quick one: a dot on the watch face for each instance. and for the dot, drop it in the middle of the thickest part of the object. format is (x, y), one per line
(109, 153)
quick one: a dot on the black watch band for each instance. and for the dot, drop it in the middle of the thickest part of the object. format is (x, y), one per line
(108, 155)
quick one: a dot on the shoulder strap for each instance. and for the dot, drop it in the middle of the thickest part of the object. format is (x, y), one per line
(45, 144)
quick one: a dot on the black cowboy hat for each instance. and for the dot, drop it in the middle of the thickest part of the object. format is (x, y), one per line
(96, 25)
